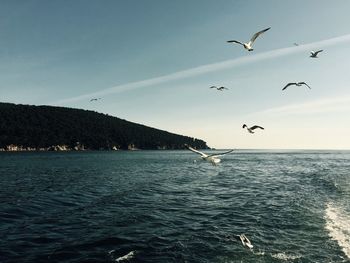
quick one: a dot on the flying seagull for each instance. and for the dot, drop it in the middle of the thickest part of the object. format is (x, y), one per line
(245, 241)
(296, 44)
(218, 88)
(296, 84)
(314, 53)
(127, 257)
(95, 99)
(249, 46)
(212, 158)
(251, 129)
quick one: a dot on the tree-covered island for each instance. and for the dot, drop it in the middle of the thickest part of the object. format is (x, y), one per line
(34, 128)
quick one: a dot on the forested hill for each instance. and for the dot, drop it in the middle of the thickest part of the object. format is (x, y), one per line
(47, 127)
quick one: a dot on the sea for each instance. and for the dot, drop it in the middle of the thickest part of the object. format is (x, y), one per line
(170, 206)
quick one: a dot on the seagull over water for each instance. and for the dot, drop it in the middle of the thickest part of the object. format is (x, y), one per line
(218, 88)
(249, 46)
(212, 158)
(245, 241)
(296, 84)
(127, 257)
(314, 53)
(251, 129)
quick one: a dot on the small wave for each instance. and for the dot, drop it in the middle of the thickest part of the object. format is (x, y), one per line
(259, 253)
(284, 256)
(128, 256)
(338, 226)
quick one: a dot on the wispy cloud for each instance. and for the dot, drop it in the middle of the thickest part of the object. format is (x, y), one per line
(336, 104)
(208, 68)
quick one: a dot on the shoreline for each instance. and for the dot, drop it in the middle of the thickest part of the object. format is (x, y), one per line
(79, 148)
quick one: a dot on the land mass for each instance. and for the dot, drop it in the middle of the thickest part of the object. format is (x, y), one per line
(35, 128)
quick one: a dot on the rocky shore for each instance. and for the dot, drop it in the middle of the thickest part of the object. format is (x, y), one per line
(55, 148)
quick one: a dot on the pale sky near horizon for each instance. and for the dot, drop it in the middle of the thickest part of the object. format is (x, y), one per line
(152, 62)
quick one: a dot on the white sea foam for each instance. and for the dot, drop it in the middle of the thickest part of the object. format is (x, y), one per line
(128, 256)
(284, 256)
(338, 226)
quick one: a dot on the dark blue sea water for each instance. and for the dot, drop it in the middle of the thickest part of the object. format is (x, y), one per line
(161, 206)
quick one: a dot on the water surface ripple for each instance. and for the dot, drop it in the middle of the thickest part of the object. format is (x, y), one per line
(161, 206)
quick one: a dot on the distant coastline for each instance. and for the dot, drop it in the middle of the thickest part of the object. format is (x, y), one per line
(66, 148)
(48, 128)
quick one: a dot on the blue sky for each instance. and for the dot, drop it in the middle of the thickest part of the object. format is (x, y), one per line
(152, 62)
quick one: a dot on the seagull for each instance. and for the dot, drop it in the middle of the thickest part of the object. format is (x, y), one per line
(245, 241)
(249, 45)
(218, 88)
(314, 53)
(252, 128)
(297, 84)
(95, 99)
(296, 44)
(212, 158)
(127, 257)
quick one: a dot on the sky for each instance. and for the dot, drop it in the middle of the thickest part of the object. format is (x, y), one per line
(152, 62)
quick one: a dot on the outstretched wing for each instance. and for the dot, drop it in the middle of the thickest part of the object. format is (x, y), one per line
(303, 83)
(219, 154)
(256, 127)
(258, 34)
(213, 87)
(222, 88)
(318, 51)
(196, 151)
(235, 41)
(289, 84)
(246, 241)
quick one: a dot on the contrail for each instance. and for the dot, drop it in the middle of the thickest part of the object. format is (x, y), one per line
(335, 104)
(208, 68)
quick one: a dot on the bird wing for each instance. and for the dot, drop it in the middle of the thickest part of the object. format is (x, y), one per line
(247, 241)
(245, 238)
(219, 154)
(222, 88)
(195, 151)
(289, 84)
(242, 239)
(303, 83)
(255, 127)
(318, 51)
(258, 34)
(235, 41)
(213, 87)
